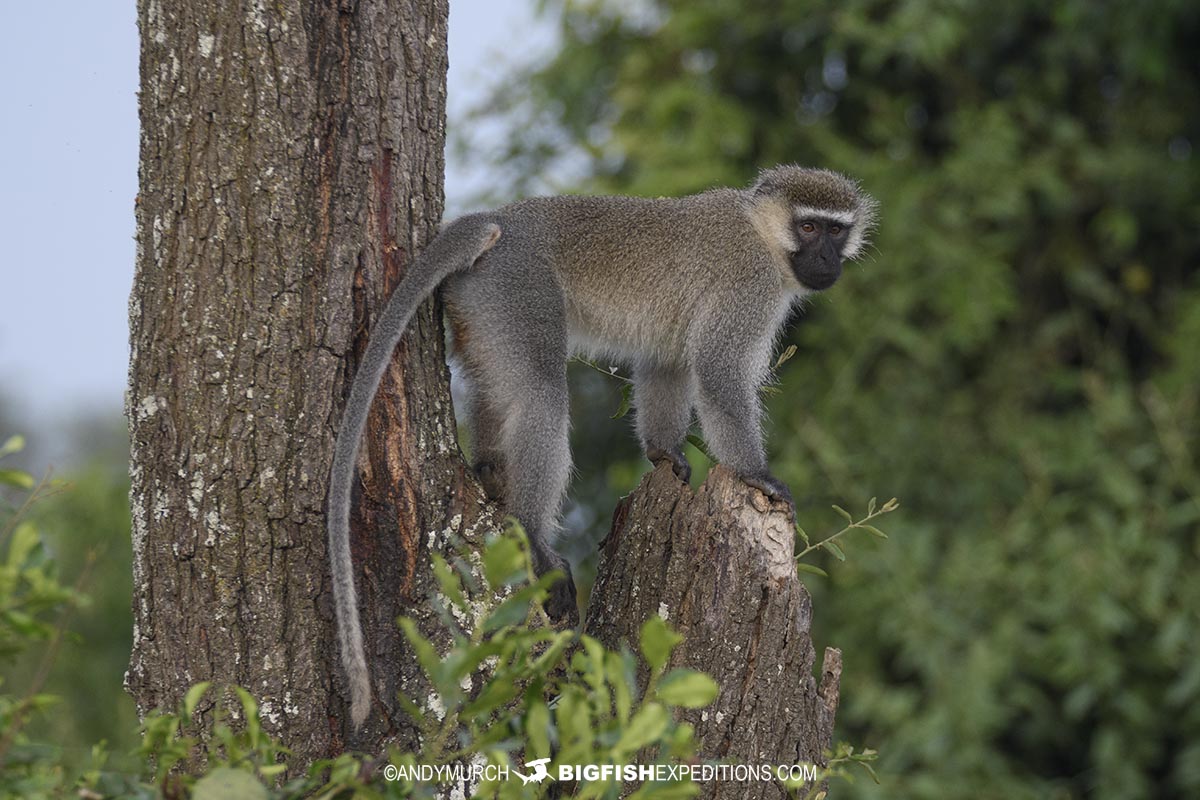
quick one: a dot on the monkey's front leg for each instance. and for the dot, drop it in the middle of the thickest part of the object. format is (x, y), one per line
(730, 415)
(664, 412)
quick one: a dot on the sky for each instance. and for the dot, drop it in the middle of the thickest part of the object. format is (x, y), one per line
(68, 176)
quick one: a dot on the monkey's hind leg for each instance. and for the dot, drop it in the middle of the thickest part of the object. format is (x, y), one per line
(537, 459)
(663, 396)
(516, 350)
(485, 415)
(485, 409)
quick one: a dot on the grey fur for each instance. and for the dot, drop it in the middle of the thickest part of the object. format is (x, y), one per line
(456, 248)
(690, 292)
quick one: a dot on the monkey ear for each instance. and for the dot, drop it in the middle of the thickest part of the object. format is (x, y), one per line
(491, 233)
(762, 184)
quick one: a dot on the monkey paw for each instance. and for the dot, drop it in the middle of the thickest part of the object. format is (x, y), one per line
(771, 486)
(491, 477)
(560, 605)
(675, 457)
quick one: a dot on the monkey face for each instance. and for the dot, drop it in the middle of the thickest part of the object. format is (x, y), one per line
(817, 259)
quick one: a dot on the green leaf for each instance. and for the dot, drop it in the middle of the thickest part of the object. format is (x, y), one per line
(698, 443)
(803, 567)
(250, 715)
(24, 624)
(224, 783)
(24, 542)
(803, 536)
(410, 708)
(871, 529)
(13, 444)
(573, 714)
(514, 609)
(553, 653)
(426, 655)
(657, 641)
(41, 702)
(622, 680)
(249, 704)
(16, 478)
(591, 663)
(687, 688)
(192, 698)
(647, 726)
(503, 561)
(844, 513)
(449, 581)
(537, 730)
(833, 548)
(495, 694)
(626, 401)
(870, 770)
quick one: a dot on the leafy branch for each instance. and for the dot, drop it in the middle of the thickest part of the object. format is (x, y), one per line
(840, 763)
(829, 543)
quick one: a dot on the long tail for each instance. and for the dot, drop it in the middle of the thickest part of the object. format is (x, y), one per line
(455, 249)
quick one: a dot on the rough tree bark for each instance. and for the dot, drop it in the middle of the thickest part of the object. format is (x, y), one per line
(718, 565)
(291, 163)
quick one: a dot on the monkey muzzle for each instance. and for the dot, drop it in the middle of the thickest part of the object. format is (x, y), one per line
(822, 278)
(818, 269)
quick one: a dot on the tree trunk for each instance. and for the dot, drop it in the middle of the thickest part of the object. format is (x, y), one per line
(291, 164)
(718, 565)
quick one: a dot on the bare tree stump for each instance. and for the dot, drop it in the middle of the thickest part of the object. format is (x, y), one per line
(717, 564)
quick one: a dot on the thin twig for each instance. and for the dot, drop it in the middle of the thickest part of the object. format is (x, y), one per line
(886, 508)
(39, 493)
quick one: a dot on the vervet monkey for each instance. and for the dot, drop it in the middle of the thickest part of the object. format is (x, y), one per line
(690, 293)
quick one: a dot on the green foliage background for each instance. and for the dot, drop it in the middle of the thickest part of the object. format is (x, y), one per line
(91, 515)
(82, 524)
(1017, 360)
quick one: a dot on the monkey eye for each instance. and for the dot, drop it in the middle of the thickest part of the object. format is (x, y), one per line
(808, 227)
(835, 229)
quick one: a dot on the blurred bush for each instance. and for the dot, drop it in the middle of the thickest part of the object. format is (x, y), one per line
(90, 516)
(65, 649)
(1017, 361)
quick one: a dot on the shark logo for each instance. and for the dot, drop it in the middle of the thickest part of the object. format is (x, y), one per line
(539, 773)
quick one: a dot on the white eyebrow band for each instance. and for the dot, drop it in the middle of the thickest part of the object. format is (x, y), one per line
(808, 212)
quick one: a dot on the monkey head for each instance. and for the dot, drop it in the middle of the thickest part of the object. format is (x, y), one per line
(830, 218)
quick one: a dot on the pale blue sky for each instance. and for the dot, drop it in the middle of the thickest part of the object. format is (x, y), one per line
(68, 176)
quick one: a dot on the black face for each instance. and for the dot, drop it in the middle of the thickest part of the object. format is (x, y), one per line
(817, 260)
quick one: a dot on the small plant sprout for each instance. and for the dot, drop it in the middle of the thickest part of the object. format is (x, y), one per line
(829, 543)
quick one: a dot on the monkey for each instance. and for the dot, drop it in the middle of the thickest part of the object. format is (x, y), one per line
(691, 293)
